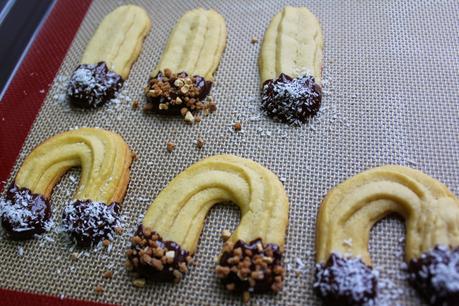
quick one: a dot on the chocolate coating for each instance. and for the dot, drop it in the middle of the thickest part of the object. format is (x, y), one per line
(92, 85)
(24, 213)
(262, 269)
(436, 275)
(173, 92)
(149, 256)
(89, 222)
(345, 281)
(291, 100)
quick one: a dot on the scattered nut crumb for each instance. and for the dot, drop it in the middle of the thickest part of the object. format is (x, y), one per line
(237, 126)
(183, 111)
(139, 282)
(170, 147)
(108, 274)
(99, 289)
(106, 242)
(200, 143)
(135, 104)
(197, 118)
(225, 235)
(254, 40)
(118, 230)
(74, 256)
(189, 117)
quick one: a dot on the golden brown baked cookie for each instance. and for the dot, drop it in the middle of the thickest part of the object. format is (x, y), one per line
(109, 56)
(170, 230)
(183, 76)
(290, 66)
(344, 274)
(93, 213)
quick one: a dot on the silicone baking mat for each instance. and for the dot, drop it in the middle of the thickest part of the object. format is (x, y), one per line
(391, 96)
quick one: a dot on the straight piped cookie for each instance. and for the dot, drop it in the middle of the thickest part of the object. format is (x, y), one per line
(93, 213)
(251, 257)
(182, 79)
(344, 273)
(290, 66)
(108, 58)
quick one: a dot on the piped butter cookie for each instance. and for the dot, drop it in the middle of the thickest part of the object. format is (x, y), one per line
(290, 66)
(344, 273)
(182, 80)
(93, 213)
(108, 58)
(251, 257)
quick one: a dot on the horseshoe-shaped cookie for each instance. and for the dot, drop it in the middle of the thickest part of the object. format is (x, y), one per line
(290, 66)
(108, 58)
(344, 275)
(251, 257)
(184, 74)
(93, 214)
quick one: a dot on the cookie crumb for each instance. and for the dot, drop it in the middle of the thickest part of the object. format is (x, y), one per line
(189, 118)
(99, 289)
(108, 274)
(197, 119)
(118, 230)
(225, 235)
(139, 282)
(200, 143)
(106, 242)
(170, 147)
(254, 40)
(237, 126)
(135, 104)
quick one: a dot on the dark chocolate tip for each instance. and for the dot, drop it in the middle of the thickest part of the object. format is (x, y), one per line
(436, 275)
(345, 281)
(172, 91)
(155, 258)
(251, 267)
(92, 85)
(291, 100)
(89, 222)
(24, 213)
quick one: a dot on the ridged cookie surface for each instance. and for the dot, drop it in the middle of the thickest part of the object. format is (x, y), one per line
(351, 209)
(171, 228)
(293, 45)
(118, 39)
(104, 158)
(195, 45)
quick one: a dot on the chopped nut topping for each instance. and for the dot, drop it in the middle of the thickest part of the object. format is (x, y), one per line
(200, 143)
(237, 126)
(225, 235)
(189, 117)
(245, 297)
(139, 282)
(148, 107)
(99, 289)
(170, 147)
(254, 40)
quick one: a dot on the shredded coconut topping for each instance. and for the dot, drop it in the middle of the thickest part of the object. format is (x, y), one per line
(291, 100)
(89, 222)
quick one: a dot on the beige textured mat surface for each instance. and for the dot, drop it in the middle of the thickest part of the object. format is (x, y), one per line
(392, 93)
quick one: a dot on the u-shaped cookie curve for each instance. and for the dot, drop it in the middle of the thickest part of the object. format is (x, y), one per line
(174, 221)
(350, 210)
(104, 158)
